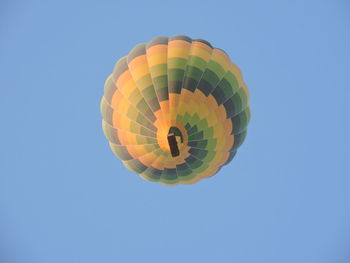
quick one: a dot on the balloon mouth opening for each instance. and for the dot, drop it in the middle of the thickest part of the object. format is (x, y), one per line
(175, 138)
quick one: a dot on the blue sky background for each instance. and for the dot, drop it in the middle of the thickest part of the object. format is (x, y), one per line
(64, 197)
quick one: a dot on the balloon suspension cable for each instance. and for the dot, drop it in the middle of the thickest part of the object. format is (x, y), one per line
(174, 149)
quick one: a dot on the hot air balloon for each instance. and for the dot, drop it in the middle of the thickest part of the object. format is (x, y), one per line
(175, 110)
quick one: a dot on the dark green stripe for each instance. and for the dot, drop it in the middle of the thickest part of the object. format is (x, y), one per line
(180, 37)
(153, 173)
(198, 153)
(157, 41)
(183, 170)
(135, 165)
(193, 162)
(241, 120)
(239, 139)
(202, 41)
(161, 87)
(169, 174)
(230, 157)
(121, 151)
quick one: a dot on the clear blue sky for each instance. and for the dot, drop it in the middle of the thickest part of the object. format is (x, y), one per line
(64, 197)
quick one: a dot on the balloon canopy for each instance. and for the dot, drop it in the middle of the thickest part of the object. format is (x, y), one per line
(175, 110)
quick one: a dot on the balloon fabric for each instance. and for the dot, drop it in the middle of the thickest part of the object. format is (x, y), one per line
(175, 110)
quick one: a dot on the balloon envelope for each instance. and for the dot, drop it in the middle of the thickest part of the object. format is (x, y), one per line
(175, 110)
